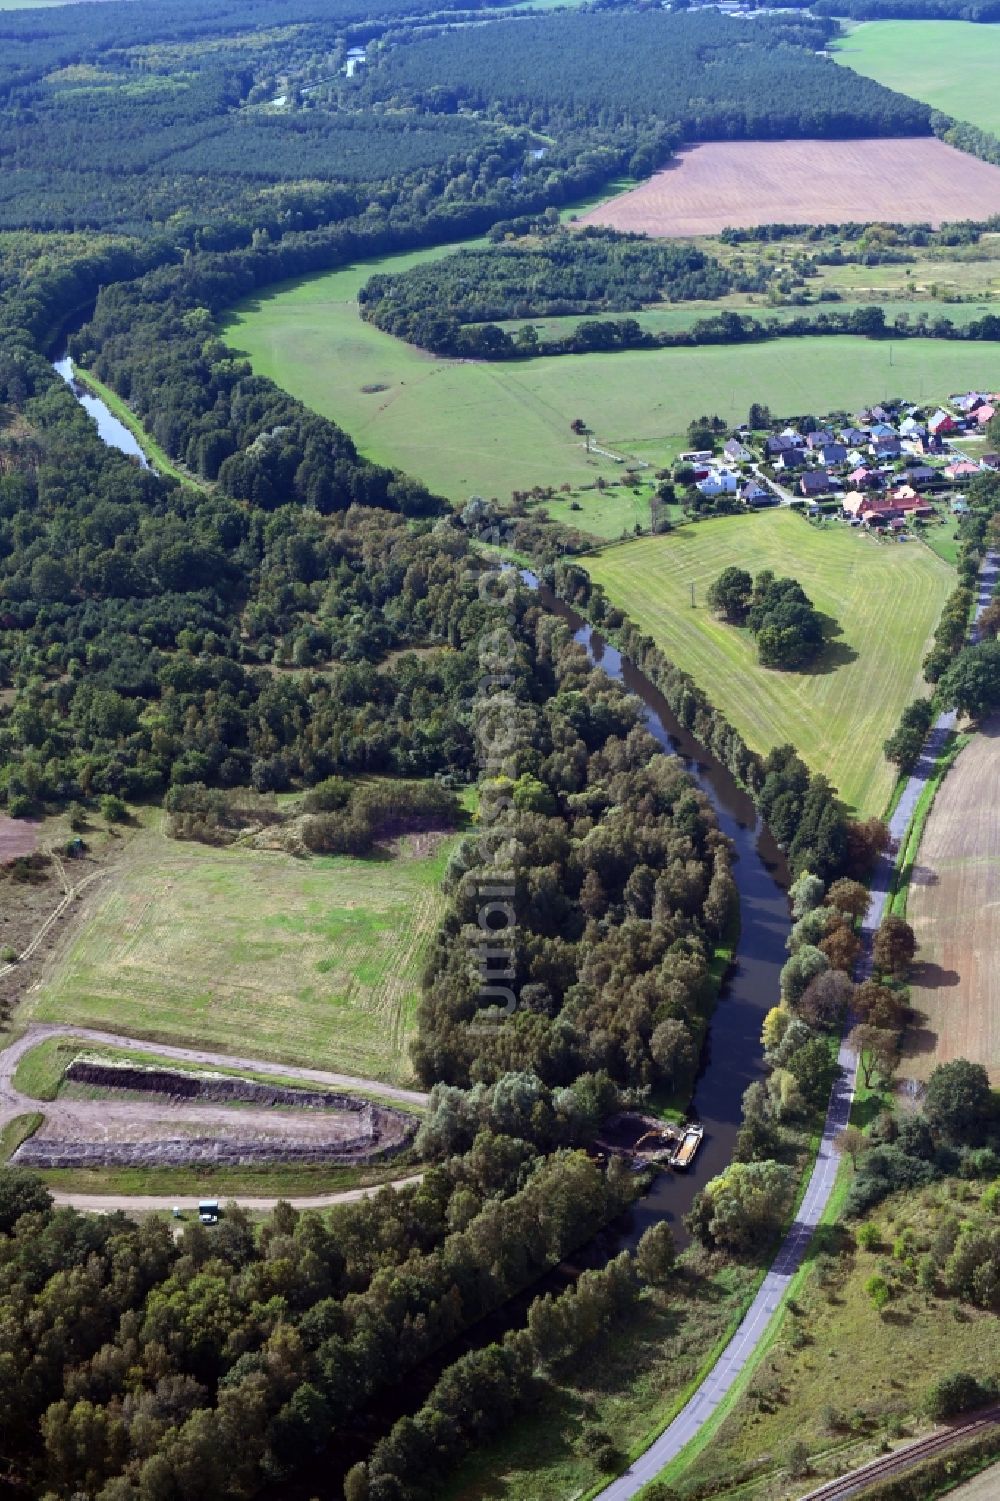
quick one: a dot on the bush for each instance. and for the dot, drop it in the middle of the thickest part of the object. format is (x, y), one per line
(959, 1392)
(113, 810)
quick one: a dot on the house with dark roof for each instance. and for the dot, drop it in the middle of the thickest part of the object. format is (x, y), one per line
(778, 443)
(886, 447)
(853, 437)
(815, 482)
(791, 458)
(753, 493)
(818, 438)
(833, 454)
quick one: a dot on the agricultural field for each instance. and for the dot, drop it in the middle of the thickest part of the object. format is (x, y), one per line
(954, 907)
(951, 65)
(883, 600)
(722, 183)
(468, 428)
(315, 962)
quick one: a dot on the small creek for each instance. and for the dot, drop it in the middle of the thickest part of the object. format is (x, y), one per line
(113, 431)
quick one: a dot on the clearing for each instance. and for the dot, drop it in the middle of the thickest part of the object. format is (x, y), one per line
(467, 427)
(884, 600)
(742, 183)
(951, 65)
(312, 961)
(954, 907)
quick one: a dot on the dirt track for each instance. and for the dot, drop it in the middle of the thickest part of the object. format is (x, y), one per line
(147, 1203)
(743, 183)
(954, 908)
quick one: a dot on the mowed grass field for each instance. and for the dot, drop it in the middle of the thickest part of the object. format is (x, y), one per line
(884, 598)
(315, 962)
(954, 907)
(951, 65)
(475, 428)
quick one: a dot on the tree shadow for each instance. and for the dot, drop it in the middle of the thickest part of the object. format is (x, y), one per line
(922, 875)
(932, 977)
(920, 1040)
(836, 652)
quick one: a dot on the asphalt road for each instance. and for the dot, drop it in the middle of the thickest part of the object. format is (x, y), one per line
(719, 1382)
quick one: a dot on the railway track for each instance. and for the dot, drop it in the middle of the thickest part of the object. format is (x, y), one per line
(857, 1481)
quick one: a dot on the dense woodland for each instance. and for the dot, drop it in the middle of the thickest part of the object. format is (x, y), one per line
(249, 629)
(706, 76)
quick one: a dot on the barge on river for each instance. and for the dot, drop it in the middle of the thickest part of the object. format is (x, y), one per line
(646, 1141)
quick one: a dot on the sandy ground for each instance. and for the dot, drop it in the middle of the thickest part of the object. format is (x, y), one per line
(18, 836)
(985, 1487)
(954, 907)
(743, 183)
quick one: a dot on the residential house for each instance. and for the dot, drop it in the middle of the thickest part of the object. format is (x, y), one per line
(719, 482)
(833, 454)
(777, 444)
(753, 493)
(970, 401)
(961, 470)
(921, 474)
(911, 428)
(941, 422)
(991, 461)
(882, 430)
(886, 447)
(959, 506)
(856, 505)
(855, 459)
(873, 414)
(817, 439)
(737, 452)
(985, 414)
(864, 478)
(814, 482)
(931, 443)
(853, 437)
(791, 458)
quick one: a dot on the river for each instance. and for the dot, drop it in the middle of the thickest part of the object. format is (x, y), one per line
(733, 1055)
(113, 431)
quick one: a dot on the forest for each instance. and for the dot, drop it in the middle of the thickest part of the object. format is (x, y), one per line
(703, 74)
(586, 271)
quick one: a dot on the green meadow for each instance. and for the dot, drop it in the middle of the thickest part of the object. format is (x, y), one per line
(951, 65)
(258, 953)
(882, 599)
(469, 427)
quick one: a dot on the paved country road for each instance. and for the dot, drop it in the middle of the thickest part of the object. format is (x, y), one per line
(737, 1354)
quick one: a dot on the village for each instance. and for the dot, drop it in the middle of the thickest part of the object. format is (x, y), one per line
(892, 467)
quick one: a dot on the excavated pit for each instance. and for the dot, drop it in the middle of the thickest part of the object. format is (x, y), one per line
(158, 1116)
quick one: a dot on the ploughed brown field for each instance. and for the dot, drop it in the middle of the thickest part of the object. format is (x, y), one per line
(743, 183)
(954, 907)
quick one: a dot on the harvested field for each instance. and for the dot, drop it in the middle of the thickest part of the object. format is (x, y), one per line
(954, 907)
(18, 836)
(743, 183)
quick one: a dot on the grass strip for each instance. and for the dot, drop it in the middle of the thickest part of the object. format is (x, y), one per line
(40, 1072)
(273, 1180)
(17, 1131)
(905, 865)
(156, 454)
